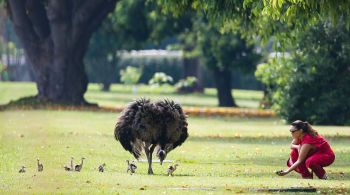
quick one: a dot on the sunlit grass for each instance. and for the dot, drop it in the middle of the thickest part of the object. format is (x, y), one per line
(222, 155)
(121, 94)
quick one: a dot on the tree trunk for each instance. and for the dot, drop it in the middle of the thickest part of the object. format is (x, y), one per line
(60, 78)
(191, 65)
(106, 86)
(191, 68)
(109, 73)
(223, 85)
(55, 37)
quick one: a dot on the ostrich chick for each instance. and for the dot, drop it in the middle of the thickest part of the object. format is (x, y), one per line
(79, 167)
(131, 167)
(69, 168)
(22, 170)
(101, 168)
(171, 169)
(40, 165)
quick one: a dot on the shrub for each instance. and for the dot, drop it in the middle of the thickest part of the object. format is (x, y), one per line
(130, 75)
(188, 85)
(313, 83)
(160, 78)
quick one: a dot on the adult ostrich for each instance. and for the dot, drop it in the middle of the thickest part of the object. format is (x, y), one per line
(145, 126)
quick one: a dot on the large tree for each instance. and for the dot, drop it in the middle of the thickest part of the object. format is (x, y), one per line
(55, 35)
(223, 53)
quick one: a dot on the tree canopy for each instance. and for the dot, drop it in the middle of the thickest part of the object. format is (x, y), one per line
(265, 17)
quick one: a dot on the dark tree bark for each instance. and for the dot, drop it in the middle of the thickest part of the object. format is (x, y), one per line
(55, 35)
(223, 85)
(109, 73)
(191, 68)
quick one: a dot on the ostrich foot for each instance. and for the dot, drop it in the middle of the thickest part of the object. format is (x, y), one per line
(150, 171)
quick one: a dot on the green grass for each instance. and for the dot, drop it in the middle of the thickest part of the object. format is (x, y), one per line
(120, 95)
(222, 155)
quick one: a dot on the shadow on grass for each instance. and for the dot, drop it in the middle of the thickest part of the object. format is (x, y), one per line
(34, 102)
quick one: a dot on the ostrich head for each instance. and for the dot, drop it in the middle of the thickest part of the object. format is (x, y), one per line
(162, 155)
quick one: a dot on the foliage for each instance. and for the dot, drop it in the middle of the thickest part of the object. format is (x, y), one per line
(160, 78)
(130, 75)
(284, 19)
(313, 84)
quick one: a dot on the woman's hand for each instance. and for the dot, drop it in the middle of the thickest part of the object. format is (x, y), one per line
(281, 173)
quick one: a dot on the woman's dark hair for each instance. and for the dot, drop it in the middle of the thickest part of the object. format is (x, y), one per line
(305, 127)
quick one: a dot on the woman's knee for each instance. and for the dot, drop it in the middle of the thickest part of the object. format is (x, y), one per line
(311, 163)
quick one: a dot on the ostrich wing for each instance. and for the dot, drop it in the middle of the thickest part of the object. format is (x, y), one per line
(125, 131)
(174, 121)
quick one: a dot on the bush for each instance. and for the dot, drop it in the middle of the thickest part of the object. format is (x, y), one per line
(131, 75)
(159, 79)
(188, 85)
(313, 84)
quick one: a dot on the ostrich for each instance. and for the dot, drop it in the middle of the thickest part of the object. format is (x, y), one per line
(22, 170)
(40, 165)
(146, 126)
(171, 169)
(131, 167)
(71, 165)
(101, 168)
(79, 167)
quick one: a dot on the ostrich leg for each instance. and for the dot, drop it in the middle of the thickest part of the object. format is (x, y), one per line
(149, 159)
(149, 152)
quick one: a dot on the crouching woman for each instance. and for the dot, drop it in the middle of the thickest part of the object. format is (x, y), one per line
(309, 151)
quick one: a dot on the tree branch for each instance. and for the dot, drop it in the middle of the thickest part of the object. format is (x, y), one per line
(21, 22)
(83, 32)
(77, 5)
(85, 10)
(38, 17)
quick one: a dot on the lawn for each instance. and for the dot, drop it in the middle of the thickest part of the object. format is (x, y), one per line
(222, 155)
(120, 95)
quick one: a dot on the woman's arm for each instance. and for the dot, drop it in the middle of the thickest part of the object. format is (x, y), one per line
(295, 144)
(304, 150)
